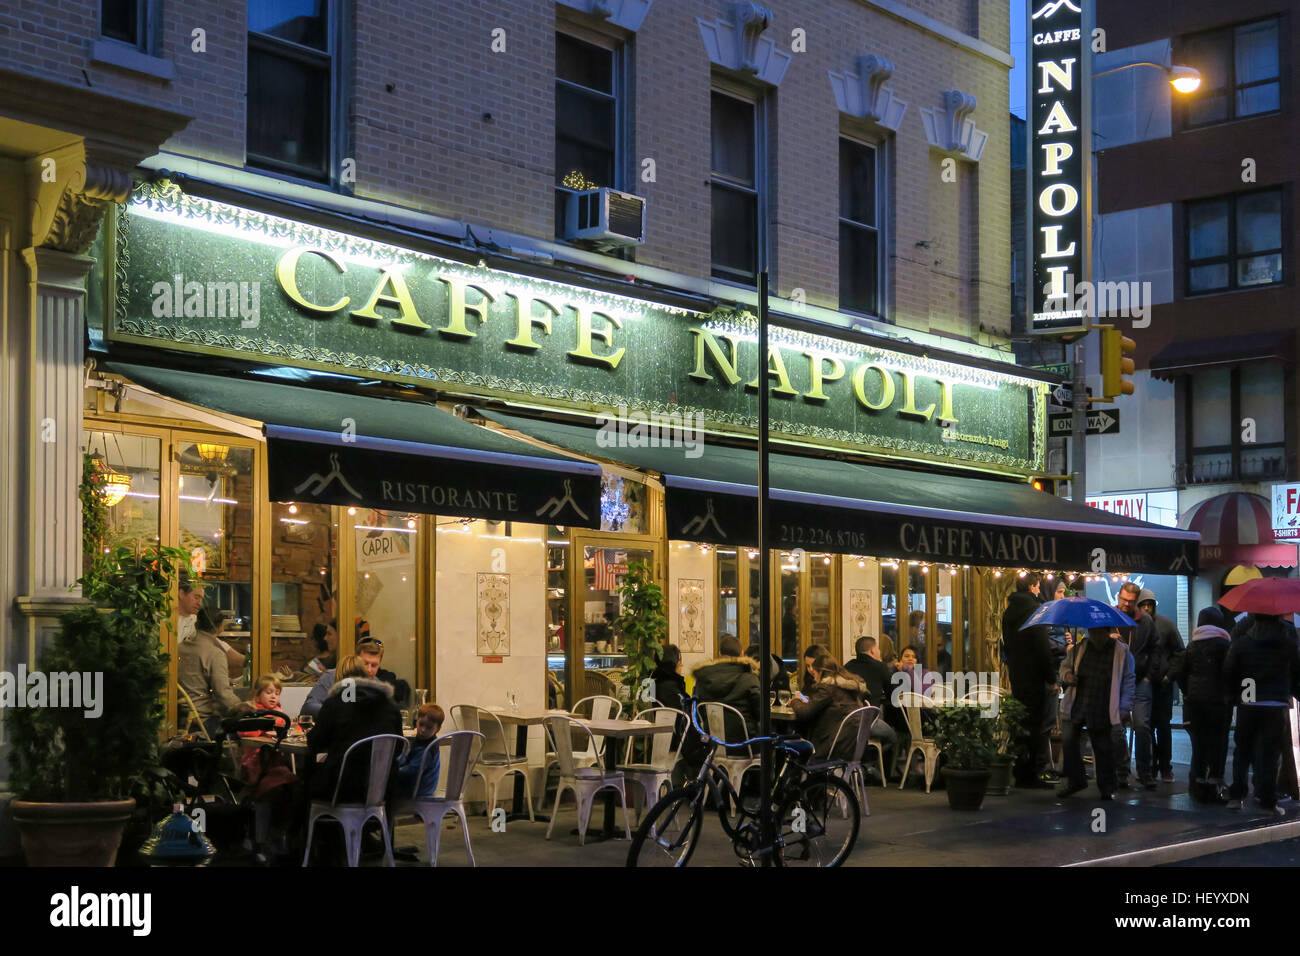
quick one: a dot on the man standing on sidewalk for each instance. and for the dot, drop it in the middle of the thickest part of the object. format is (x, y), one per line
(1162, 698)
(1097, 679)
(1032, 671)
(1262, 670)
(1149, 661)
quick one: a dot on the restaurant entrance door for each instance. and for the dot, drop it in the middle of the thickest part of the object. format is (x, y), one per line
(594, 654)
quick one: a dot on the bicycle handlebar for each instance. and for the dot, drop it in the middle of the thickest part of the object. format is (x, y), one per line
(774, 739)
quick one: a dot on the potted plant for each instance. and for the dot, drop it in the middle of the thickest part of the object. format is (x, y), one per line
(1010, 734)
(964, 735)
(75, 769)
(642, 624)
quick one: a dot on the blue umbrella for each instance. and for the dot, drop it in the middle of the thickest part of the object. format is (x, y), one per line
(1079, 612)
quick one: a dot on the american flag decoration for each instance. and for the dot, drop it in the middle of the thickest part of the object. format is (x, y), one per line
(606, 573)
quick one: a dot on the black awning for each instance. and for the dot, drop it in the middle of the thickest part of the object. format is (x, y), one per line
(1184, 357)
(347, 449)
(823, 504)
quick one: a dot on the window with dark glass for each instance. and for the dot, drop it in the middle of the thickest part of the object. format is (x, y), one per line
(1234, 242)
(586, 119)
(123, 20)
(1235, 425)
(290, 89)
(735, 182)
(859, 229)
(1239, 69)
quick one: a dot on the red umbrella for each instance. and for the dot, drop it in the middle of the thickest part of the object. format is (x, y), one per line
(1265, 596)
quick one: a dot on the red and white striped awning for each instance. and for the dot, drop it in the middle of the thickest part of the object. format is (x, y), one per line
(1237, 528)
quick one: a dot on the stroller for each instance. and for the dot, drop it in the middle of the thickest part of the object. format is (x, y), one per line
(236, 818)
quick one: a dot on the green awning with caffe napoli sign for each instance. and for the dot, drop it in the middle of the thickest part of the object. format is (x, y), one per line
(198, 275)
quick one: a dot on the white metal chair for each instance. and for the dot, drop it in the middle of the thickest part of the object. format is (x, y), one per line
(495, 762)
(458, 752)
(595, 707)
(735, 765)
(651, 776)
(911, 704)
(853, 773)
(585, 782)
(353, 817)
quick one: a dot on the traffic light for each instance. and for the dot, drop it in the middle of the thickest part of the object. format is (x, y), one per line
(1116, 349)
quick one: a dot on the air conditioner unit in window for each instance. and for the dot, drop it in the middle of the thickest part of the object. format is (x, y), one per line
(605, 216)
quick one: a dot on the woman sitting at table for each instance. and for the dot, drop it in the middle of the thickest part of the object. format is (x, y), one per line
(670, 686)
(835, 693)
(367, 709)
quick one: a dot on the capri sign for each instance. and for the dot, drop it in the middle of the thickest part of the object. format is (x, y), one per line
(1059, 164)
(301, 295)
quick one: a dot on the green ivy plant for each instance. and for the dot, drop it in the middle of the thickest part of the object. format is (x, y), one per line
(60, 754)
(642, 623)
(965, 736)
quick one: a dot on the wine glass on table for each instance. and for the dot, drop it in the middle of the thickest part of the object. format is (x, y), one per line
(783, 698)
(305, 722)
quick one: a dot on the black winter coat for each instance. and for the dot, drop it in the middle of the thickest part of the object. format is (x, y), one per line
(342, 723)
(1171, 642)
(874, 674)
(829, 702)
(1199, 669)
(1267, 654)
(1030, 663)
(1148, 655)
(670, 687)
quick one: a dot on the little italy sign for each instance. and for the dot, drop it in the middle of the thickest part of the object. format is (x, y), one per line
(332, 301)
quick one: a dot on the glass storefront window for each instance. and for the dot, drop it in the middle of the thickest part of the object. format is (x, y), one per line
(820, 577)
(943, 619)
(915, 635)
(603, 657)
(557, 613)
(791, 633)
(889, 610)
(755, 597)
(304, 629)
(728, 594)
(133, 461)
(215, 492)
(386, 588)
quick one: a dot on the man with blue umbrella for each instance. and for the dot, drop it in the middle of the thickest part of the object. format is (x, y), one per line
(1097, 675)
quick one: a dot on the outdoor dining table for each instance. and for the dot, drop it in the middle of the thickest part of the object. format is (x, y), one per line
(522, 719)
(620, 730)
(293, 745)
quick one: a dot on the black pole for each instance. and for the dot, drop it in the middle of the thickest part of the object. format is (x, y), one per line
(766, 823)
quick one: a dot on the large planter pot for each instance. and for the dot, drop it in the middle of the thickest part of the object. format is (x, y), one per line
(71, 834)
(1000, 775)
(966, 788)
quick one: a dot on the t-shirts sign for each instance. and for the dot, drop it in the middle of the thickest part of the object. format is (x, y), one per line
(1286, 511)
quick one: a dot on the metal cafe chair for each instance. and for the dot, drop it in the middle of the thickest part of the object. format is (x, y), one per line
(735, 765)
(459, 752)
(854, 773)
(651, 777)
(496, 761)
(354, 816)
(585, 782)
(911, 704)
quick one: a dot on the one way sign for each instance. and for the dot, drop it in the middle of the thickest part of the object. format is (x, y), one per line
(1099, 423)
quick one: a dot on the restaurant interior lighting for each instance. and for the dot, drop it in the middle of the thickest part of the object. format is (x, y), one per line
(115, 484)
(826, 560)
(861, 563)
(352, 511)
(212, 451)
(293, 509)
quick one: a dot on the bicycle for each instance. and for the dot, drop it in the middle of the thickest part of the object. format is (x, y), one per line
(816, 813)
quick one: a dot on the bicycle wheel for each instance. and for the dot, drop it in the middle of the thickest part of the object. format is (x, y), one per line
(819, 824)
(669, 833)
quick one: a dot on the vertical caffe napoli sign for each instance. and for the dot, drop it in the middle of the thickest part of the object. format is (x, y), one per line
(1059, 164)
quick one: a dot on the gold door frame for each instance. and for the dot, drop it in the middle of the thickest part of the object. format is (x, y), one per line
(579, 540)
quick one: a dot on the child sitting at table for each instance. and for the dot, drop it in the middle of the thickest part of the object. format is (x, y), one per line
(266, 696)
(428, 722)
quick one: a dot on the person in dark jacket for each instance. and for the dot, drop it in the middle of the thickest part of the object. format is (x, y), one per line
(670, 687)
(729, 679)
(1207, 704)
(354, 710)
(1162, 699)
(874, 674)
(835, 694)
(813, 652)
(1032, 670)
(1261, 669)
(1148, 657)
(778, 678)
(1097, 682)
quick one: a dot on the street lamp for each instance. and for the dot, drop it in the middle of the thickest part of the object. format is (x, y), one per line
(1184, 79)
